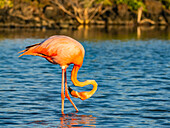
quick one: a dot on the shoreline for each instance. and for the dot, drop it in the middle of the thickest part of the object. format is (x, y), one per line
(91, 33)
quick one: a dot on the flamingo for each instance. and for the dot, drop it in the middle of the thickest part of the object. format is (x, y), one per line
(64, 50)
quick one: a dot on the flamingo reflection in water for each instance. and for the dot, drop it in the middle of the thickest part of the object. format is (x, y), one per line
(68, 120)
(73, 120)
(64, 51)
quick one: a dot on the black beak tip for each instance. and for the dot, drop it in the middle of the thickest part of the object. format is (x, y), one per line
(70, 90)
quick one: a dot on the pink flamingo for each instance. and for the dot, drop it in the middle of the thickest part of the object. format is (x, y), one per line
(64, 51)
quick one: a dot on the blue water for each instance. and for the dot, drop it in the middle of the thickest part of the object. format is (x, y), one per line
(133, 92)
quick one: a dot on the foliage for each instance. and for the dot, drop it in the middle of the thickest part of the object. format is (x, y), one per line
(132, 4)
(38, 3)
(5, 3)
(166, 3)
(105, 2)
(33, 3)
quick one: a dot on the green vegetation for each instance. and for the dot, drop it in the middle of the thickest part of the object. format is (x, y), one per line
(135, 4)
(37, 3)
(63, 13)
(166, 3)
(105, 2)
(132, 4)
(5, 3)
(33, 3)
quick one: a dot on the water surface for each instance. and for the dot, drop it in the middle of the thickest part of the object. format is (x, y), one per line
(133, 75)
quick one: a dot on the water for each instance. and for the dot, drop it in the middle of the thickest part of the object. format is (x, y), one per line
(133, 92)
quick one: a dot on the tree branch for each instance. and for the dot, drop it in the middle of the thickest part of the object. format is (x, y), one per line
(62, 7)
(95, 12)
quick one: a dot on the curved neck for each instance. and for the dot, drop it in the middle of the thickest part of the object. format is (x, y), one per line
(82, 84)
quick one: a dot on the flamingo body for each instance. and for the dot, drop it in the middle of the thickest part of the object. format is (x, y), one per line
(60, 50)
(64, 51)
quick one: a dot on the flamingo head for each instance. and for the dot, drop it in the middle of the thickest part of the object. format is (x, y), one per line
(82, 95)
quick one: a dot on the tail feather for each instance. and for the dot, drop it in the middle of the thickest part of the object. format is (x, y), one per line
(29, 50)
(32, 45)
(22, 51)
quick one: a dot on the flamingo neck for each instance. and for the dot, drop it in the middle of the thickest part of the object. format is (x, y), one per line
(86, 94)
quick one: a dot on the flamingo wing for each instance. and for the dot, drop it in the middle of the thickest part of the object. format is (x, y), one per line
(61, 50)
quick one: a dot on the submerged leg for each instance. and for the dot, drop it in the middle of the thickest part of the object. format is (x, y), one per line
(62, 91)
(67, 95)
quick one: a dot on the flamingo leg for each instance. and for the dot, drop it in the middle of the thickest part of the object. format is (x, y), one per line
(66, 93)
(62, 91)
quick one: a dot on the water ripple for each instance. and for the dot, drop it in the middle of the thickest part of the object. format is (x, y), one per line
(133, 78)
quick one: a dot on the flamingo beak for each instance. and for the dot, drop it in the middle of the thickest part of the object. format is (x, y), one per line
(81, 95)
(73, 93)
